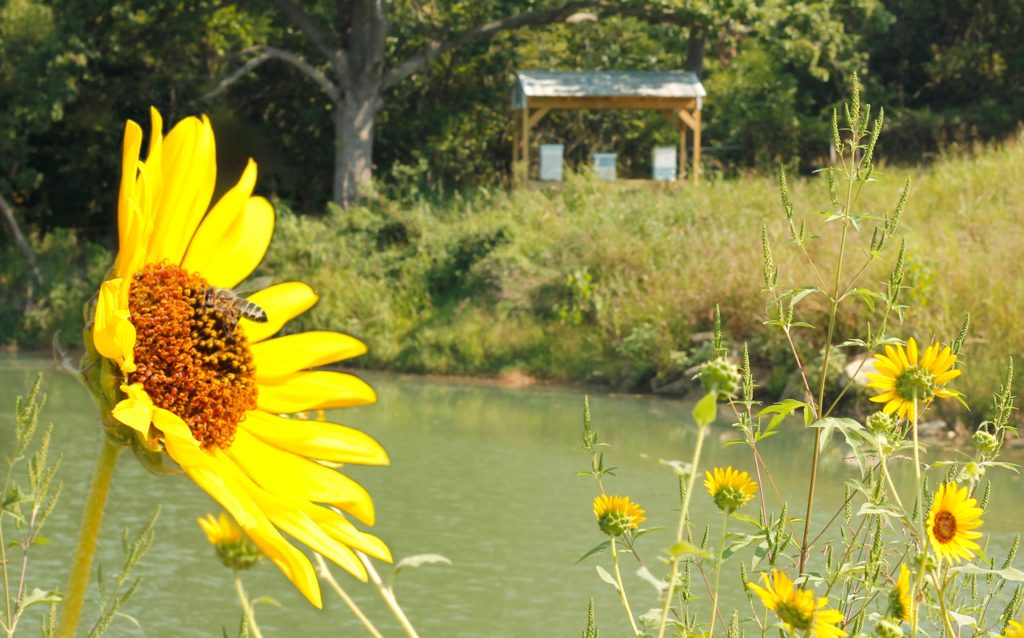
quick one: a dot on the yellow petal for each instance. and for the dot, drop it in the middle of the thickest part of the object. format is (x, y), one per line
(912, 351)
(212, 471)
(929, 356)
(948, 376)
(226, 249)
(895, 357)
(137, 410)
(189, 168)
(943, 361)
(883, 397)
(316, 439)
(127, 209)
(283, 473)
(341, 529)
(316, 390)
(884, 365)
(892, 406)
(282, 303)
(283, 356)
(286, 513)
(113, 332)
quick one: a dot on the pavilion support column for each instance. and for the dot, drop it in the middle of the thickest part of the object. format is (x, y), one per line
(682, 151)
(696, 146)
(514, 172)
(525, 153)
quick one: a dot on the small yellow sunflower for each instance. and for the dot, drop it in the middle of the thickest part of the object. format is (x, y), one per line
(182, 367)
(902, 377)
(952, 521)
(899, 598)
(617, 514)
(797, 608)
(232, 546)
(730, 488)
(1014, 629)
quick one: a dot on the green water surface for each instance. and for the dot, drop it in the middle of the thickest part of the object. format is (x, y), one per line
(485, 476)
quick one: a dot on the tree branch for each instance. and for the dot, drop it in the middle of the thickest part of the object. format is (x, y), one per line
(318, 36)
(20, 242)
(435, 48)
(269, 53)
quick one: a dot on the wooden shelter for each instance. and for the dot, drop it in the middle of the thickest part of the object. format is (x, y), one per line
(678, 95)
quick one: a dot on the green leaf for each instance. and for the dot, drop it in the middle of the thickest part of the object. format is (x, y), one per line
(781, 410)
(37, 596)
(596, 550)
(658, 584)
(419, 560)
(606, 577)
(1010, 573)
(830, 424)
(684, 548)
(706, 410)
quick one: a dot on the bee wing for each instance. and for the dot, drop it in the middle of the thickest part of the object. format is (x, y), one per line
(252, 285)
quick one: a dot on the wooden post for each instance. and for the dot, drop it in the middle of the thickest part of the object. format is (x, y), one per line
(515, 153)
(696, 146)
(682, 150)
(526, 146)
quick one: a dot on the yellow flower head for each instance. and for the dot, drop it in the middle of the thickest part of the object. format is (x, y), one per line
(899, 598)
(952, 521)
(617, 514)
(182, 367)
(797, 608)
(1014, 629)
(232, 546)
(902, 377)
(730, 488)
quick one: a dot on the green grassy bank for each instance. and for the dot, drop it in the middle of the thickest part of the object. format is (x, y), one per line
(610, 283)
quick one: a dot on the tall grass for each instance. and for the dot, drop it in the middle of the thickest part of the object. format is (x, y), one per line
(615, 283)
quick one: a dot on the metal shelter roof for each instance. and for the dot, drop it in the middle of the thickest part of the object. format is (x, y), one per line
(583, 84)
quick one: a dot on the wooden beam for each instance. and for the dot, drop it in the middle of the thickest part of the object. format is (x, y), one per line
(537, 116)
(687, 119)
(696, 147)
(515, 153)
(614, 102)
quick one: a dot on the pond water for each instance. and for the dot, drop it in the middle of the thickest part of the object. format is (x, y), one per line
(485, 476)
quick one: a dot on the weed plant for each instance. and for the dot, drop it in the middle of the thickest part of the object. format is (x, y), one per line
(888, 561)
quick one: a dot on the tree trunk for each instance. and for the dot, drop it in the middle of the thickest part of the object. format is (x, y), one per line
(695, 51)
(26, 251)
(354, 120)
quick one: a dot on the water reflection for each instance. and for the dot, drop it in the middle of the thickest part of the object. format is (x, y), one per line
(483, 475)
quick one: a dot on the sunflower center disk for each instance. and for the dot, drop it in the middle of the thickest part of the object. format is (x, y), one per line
(944, 528)
(192, 360)
(915, 382)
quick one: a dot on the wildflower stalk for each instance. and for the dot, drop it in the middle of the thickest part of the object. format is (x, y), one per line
(78, 581)
(326, 574)
(701, 433)
(718, 572)
(622, 588)
(388, 595)
(250, 616)
(940, 593)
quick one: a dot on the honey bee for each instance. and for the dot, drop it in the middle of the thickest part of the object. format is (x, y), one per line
(230, 306)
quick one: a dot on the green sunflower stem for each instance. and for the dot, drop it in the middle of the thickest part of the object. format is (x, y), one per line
(78, 581)
(622, 589)
(718, 573)
(388, 595)
(922, 534)
(683, 514)
(250, 615)
(326, 574)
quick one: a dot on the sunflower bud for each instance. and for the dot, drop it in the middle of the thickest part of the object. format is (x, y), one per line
(889, 629)
(720, 376)
(233, 547)
(880, 423)
(617, 515)
(986, 443)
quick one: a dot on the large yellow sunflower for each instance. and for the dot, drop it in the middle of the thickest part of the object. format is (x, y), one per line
(797, 608)
(902, 377)
(951, 523)
(193, 379)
